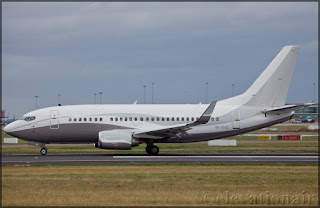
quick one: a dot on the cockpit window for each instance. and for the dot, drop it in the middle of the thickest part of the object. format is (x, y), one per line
(28, 118)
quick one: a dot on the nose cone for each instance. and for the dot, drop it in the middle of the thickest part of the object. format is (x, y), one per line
(8, 128)
(11, 128)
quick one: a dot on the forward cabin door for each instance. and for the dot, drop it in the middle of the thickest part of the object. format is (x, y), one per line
(54, 119)
(236, 119)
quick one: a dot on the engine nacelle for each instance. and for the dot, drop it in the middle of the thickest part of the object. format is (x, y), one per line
(116, 139)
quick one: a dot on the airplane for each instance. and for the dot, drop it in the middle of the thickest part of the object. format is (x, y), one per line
(125, 126)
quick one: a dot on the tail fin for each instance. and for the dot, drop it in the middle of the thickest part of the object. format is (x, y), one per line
(271, 87)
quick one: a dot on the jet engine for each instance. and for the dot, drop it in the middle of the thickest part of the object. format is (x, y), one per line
(115, 139)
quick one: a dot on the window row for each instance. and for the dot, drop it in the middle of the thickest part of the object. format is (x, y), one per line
(86, 119)
(141, 119)
(159, 119)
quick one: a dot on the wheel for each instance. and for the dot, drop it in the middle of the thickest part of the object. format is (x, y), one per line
(153, 150)
(43, 151)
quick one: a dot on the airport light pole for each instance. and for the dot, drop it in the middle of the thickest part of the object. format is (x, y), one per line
(59, 95)
(314, 92)
(36, 101)
(232, 89)
(95, 98)
(100, 97)
(144, 94)
(152, 92)
(206, 92)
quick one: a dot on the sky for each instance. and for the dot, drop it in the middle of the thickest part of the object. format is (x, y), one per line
(78, 49)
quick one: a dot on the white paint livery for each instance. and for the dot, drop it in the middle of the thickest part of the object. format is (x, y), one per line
(125, 126)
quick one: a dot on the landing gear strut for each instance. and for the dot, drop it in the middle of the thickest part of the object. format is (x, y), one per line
(152, 149)
(43, 151)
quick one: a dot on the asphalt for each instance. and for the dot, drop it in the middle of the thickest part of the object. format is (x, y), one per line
(164, 158)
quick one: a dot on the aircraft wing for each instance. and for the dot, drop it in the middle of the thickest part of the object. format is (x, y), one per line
(287, 108)
(169, 131)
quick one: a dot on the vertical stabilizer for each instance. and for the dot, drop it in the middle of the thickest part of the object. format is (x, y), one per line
(271, 87)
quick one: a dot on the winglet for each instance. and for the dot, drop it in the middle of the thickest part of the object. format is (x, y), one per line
(207, 114)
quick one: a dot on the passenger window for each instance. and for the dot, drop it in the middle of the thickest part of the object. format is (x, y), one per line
(147, 119)
(84, 119)
(187, 118)
(197, 118)
(158, 119)
(120, 119)
(75, 119)
(101, 119)
(115, 119)
(79, 119)
(70, 119)
(90, 119)
(152, 119)
(135, 118)
(182, 118)
(130, 119)
(125, 119)
(217, 119)
(172, 119)
(168, 119)
(162, 118)
(141, 118)
(212, 118)
(95, 119)
(192, 119)
(177, 118)
(111, 119)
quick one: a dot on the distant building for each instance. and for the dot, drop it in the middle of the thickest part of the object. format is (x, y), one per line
(305, 114)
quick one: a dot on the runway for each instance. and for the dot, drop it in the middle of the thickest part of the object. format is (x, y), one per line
(172, 158)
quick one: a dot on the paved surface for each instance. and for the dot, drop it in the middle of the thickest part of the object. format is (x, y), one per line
(176, 158)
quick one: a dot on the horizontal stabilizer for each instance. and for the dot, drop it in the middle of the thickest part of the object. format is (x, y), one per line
(287, 108)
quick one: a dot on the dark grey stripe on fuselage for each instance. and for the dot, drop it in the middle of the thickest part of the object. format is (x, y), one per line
(75, 132)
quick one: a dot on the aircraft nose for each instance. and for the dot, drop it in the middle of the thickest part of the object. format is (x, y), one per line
(11, 127)
(8, 128)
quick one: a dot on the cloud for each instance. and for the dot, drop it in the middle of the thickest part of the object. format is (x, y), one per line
(117, 47)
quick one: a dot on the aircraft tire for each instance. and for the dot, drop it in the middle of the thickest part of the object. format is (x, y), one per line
(43, 151)
(153, 150)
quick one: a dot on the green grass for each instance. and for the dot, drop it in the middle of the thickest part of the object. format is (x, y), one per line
(154, 184)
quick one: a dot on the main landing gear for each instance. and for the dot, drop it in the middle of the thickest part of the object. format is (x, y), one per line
(152, 149)
(43, 151)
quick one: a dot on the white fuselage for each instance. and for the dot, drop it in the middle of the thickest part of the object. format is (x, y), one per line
(82, 123)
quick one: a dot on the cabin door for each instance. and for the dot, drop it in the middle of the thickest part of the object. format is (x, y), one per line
(54, 119)
(236, 119)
